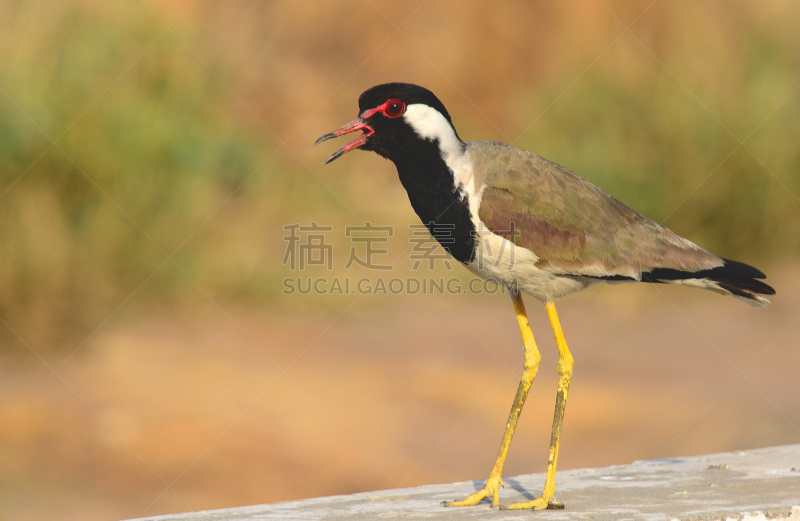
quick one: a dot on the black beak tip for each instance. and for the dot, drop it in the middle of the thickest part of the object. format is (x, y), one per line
(335, 155)
(324, 138)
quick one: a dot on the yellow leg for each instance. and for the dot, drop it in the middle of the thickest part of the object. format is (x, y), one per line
(532, 357)
(565, 363)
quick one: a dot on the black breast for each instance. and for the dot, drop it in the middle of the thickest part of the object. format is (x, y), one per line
(435, 198)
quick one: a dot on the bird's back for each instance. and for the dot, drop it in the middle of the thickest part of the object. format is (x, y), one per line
(572, 225)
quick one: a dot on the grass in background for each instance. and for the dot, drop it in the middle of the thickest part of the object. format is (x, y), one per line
(655, 146)
(138, 169)
(168, 144)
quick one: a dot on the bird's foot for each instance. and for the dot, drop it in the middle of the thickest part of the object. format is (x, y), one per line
(490, 490)
(542, 503)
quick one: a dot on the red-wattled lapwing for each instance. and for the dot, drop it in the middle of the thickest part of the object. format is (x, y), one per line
(531, 225)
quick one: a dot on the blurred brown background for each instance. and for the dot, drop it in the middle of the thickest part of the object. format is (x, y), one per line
(151, 154)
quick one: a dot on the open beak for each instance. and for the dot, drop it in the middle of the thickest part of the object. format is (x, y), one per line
(353, 126)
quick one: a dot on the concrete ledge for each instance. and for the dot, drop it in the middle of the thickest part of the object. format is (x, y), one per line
(753, 485)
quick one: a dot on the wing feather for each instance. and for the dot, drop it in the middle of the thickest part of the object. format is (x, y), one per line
(571, 225)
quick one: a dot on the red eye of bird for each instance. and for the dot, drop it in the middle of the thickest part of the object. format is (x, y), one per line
(395, 108)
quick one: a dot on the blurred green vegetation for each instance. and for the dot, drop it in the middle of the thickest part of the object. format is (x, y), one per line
(151, 144)
(138, 169)
(660, 149)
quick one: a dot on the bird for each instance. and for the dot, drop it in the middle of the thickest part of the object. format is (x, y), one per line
(532, 226)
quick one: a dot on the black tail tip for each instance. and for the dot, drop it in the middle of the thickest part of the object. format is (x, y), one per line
(741, 276)
(741, 269)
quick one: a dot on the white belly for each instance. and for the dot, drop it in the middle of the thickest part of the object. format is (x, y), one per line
(499, 260)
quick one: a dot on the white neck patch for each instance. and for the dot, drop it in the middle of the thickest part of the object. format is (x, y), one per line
(430, 124)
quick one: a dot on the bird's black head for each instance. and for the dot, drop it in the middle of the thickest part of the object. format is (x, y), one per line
(393, 118)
